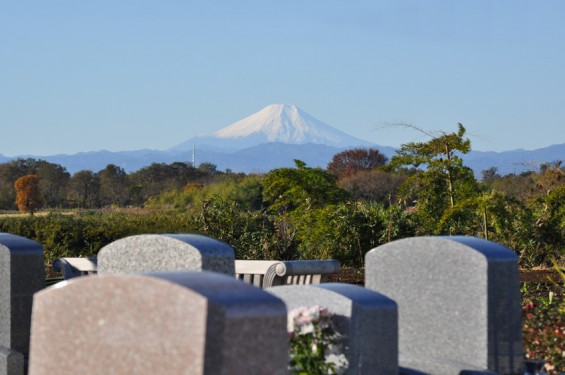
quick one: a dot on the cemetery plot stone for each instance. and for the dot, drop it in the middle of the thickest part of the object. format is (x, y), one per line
(158, 323)
(11, 362)
(21, 275)
(458, 301)
(367, 319)
(167, 252)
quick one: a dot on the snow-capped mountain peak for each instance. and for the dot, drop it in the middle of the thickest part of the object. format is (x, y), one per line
(275, 123)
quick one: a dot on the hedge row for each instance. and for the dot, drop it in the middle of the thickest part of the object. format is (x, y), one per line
(84, 234)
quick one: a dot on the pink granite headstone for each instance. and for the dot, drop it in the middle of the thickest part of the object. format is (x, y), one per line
(158, 323)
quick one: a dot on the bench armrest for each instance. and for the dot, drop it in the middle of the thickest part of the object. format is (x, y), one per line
(74, 267)
(267, 273)
(300, 272)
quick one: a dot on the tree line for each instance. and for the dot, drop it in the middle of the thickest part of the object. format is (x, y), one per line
(111, 186)
(359, 201)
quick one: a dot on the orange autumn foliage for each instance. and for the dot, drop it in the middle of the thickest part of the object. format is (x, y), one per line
(28, 197)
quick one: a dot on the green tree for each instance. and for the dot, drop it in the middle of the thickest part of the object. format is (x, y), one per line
(53, 181)
(286, 189)
(113, 185)
(158, 178)
(84, 189)
(439, 156)
(151, 181)
(549, 227)
(489, 215)
(551, 176)
(208, 168)
(517, 186)
(347, 231)
(490, 174)
(442, 181)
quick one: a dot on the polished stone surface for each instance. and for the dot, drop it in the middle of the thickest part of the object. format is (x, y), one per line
(367, 319)
(166, 252)
(458, 301)
(158, 323)
(21, 275)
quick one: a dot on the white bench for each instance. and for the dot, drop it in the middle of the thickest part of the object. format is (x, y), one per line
(74, 267)
(267, 273)
(261, 273)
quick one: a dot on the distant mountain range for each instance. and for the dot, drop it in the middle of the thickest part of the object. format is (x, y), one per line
(273, 138)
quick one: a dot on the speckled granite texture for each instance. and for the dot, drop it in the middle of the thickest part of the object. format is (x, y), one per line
(458, 301)
(21, 275)
(166, 252)
(158, 323)
(367, 319)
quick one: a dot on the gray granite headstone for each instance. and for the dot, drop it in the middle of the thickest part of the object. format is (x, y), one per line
(367, 319)
(22, 274)
(158, 323)
(458, 301)
(166, 252)
(11, 362)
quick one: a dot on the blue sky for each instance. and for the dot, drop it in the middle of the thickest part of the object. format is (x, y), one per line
(134, 74)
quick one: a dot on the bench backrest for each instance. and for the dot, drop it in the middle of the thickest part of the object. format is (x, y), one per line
(261, 273)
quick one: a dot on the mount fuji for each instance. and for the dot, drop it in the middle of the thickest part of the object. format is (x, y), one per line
(273, 138)
(281, 123)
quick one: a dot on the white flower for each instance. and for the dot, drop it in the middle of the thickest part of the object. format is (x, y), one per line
(314, 348)
(306, 329)
(339, 362)
(313, 325)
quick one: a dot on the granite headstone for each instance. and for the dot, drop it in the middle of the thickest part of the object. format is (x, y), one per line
(158, 323)
(166, 252)
(366, 319)
(22, 274)
(458, 301)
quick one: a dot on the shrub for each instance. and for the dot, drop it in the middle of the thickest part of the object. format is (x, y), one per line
(252, 234)
(84, 234)
(347, 231)
(543, 328)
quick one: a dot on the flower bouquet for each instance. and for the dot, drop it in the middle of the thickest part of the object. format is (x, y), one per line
(315, 346)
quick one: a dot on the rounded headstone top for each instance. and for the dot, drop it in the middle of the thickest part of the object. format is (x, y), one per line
(166, 252)
(341, 296)
(11, 242)
(162, 322)
(491, 251)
